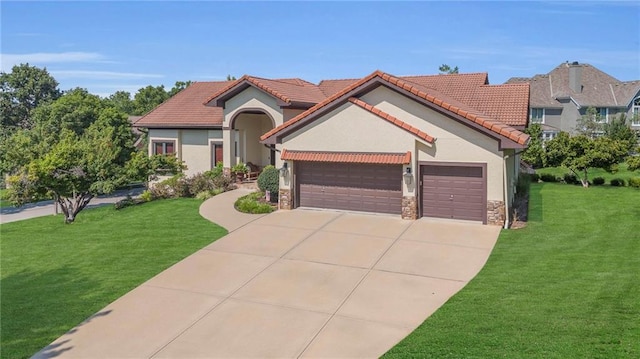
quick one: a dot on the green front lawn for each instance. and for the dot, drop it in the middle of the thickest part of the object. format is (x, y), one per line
(622, 172)
(55, 275)
(566, 286)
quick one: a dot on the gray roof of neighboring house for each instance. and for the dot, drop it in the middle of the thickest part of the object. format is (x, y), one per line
(598, 88)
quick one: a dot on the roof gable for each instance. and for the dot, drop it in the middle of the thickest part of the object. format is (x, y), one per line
(431, 98)
(288, 92)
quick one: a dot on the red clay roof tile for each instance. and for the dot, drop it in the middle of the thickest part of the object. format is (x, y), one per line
(185, 109)
(347, 157)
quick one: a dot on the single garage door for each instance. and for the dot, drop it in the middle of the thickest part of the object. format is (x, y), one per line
(350, 186)
(457, 192)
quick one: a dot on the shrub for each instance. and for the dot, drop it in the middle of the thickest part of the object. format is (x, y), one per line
(128, 202)
(598, 181)
(617, 182)
(217, 171)
(146, 196)
(522, 186)
(269, 180)
(250, 204)
(200, 183)
(570, 178)
(547, 177)
(634, 182)
(173, 187)
(223, 182)
(534, 177)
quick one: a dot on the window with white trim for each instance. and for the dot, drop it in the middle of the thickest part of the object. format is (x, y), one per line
(164, 147)
(602, 114)
(549, 135)
(536, 115)
(635, 112)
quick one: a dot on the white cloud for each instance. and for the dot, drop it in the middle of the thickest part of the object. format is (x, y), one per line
(7, 61)
(102, 75)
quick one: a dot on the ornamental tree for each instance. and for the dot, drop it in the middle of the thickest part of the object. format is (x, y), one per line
(579, 153)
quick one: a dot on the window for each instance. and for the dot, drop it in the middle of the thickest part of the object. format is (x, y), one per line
(537, 115)
(549, 135)
(635, 112)
(602, 114)
(163, 147)
(216, 154)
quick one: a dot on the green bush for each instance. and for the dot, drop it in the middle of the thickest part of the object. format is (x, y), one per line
(250, 204)
(598, 181)
(269, 180)
(534, 177)
(146, 196)
(225, 183)
(198, 183)
(617, 182)
(634, 182)
(570, 178)
(217, 171)
(547, 177)
(522, 186)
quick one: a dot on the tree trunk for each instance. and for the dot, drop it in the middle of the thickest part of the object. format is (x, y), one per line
(71, 206)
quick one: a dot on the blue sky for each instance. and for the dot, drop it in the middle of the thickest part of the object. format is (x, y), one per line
(110, 46)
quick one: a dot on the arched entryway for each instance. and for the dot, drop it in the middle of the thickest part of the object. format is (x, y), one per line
(246, 129)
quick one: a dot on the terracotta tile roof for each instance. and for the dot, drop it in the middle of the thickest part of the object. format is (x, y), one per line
(429, 95)
(347, 157)
(185, 109)
(330, 87)
(289, 91)
(403, 125)
(507, 103)
(598, 88)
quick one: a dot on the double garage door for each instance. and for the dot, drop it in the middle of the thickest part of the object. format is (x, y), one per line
(350, 186)
(451, 191)
(447, 191)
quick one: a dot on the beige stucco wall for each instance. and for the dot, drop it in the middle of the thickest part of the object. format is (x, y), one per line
(193, 146)
(351, 128)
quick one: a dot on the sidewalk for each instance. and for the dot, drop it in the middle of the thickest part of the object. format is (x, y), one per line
(47, 208)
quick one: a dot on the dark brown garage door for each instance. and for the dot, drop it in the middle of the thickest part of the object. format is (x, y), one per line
(350, 186)
(453, 192)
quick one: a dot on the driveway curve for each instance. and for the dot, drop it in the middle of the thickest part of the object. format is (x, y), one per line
(300, 283)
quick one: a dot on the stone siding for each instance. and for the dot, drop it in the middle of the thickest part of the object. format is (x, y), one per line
(495, 213)
(285, 199)
(409, 208)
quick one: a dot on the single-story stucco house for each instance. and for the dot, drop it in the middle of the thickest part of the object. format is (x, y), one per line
(444, 146)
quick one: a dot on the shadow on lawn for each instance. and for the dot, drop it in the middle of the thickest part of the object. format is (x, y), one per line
(535, 204)
(38, 307)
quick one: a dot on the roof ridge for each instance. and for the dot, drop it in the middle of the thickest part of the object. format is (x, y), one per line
(350, 79)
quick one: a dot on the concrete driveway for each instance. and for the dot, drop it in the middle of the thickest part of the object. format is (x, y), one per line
(301, 283)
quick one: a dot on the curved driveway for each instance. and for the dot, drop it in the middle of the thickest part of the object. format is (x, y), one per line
(301, 283)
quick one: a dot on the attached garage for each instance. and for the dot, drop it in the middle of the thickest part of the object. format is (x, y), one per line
(350, 186)
(454, 191)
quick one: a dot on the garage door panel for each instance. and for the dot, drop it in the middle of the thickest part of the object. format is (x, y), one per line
(453, 191)
(359, 187)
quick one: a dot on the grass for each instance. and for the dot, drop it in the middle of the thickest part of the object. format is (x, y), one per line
(622, 172)
(55, 275)
(566, 286)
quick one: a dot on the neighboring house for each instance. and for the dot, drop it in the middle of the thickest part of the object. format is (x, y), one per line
(561, 97)
(444, 146)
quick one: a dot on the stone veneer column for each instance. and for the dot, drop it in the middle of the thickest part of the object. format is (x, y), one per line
(285, 199)
(495, 213)
(409, 208)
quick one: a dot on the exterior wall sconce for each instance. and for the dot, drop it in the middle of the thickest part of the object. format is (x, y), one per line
(407, 175)
(284, 170)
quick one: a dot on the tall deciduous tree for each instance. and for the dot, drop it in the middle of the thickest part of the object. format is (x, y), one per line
(580, 153)
(122, 101)
(591, 124)
(79, 148)
(446, 69)
(179, 86)
(147, 98)
(534, 154)
(24, 89)
(620, 129)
